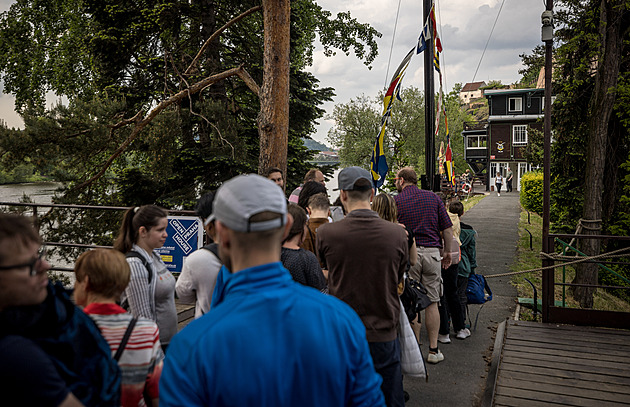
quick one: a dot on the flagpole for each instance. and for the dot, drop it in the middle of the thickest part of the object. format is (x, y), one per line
(429, 148)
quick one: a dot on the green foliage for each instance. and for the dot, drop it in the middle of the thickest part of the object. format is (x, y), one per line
(532, 191)
(358, 123)
(112, 59)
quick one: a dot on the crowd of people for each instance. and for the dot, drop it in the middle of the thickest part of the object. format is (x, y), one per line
(292, 307)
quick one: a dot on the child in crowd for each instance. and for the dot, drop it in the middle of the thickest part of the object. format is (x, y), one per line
(101, 277)
(468, 262)
(318, 210)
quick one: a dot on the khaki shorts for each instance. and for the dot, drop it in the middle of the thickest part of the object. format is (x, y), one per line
(428, 270)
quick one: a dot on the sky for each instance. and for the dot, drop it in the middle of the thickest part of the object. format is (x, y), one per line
(464, 27)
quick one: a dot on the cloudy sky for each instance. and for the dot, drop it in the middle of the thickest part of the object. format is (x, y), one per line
(464, 26)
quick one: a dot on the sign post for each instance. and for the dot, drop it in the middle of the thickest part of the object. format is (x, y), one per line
(185, 235)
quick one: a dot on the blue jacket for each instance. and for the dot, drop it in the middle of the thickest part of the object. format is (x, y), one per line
(269, 341)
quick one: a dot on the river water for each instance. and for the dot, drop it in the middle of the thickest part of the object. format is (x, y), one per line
(39, 192)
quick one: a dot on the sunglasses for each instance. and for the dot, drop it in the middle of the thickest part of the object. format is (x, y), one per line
(32, 265)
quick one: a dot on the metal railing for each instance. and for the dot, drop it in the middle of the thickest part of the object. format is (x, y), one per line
(553, 313)
(35, 213)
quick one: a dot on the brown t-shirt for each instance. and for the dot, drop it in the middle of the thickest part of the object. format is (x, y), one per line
(366, 257)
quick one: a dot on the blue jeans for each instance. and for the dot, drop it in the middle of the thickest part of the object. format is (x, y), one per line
(386, 359)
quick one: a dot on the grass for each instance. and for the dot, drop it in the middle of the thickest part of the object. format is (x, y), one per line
(528, 258)
(472, 201)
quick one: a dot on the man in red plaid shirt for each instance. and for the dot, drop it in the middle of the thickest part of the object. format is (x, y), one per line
(425, 214)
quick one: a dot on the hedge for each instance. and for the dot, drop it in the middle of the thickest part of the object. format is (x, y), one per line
(532, 191)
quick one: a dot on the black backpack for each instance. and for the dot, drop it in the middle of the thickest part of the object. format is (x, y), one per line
(214, 248)
(133, 253)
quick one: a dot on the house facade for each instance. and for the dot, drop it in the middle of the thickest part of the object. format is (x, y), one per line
(500, 143)
(471, 91)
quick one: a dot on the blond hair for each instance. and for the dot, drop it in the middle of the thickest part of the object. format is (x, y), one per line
(107, 270)
(385, 205)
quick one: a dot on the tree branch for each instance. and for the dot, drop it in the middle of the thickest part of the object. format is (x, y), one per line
(141, 123)
(227, 25)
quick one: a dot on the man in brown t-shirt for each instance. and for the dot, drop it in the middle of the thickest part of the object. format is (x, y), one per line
(366, 257)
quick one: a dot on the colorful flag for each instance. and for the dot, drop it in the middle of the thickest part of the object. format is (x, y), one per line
(378, 163)
(450, 168)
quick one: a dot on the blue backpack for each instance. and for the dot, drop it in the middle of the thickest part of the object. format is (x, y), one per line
(477, 288)
(74, 344)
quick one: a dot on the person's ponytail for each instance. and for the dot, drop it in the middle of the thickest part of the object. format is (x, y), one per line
(146, 215)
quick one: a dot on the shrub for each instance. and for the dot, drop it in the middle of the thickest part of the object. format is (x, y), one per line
(532, 191)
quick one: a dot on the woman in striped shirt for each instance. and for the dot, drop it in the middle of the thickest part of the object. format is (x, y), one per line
(151, 291)
(101, 276)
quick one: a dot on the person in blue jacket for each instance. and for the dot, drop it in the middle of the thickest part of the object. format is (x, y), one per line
(267, 340)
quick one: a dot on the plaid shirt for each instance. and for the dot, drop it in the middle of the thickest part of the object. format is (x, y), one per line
(424, 213)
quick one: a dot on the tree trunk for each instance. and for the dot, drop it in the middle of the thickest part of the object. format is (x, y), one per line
(273, 120)
(601, 109)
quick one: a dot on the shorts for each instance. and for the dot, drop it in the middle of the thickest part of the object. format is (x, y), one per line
(428, 270)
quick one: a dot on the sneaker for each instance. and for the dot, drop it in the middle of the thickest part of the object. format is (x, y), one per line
(435, 357)
(499, 194)
(463, 333)
(444, 338)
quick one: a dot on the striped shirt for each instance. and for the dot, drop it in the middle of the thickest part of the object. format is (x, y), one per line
(155, 301)
(141, 361)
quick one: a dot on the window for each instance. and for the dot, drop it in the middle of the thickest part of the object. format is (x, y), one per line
(515, 104)
(519, 134)
(476, 141)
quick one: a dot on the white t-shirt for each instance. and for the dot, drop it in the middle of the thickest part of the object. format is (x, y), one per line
(196, 282)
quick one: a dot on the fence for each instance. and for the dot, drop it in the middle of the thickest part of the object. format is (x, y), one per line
(553, 313)
(33, 209)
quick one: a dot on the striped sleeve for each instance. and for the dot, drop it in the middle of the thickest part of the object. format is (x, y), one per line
(139, 292)
(142, 359)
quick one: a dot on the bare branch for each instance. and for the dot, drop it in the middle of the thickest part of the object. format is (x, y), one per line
(249, 81)
(141, 123)
(227, 25)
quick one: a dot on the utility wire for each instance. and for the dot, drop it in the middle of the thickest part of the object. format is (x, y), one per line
(392, 46)
(487, 42)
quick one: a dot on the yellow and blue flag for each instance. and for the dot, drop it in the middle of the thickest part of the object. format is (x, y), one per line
(378, 162)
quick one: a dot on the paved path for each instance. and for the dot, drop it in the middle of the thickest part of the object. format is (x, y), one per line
(460, 379)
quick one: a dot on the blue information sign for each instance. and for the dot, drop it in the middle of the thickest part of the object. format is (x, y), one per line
(185, 235)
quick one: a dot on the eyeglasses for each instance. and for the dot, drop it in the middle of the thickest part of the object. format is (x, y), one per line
(33, 265)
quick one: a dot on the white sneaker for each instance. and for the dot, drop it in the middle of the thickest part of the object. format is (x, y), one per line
(435, 357)
(463, 333)
(444, 338)
(498, 194)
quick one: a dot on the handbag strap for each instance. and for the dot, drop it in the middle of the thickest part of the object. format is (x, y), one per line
(125, 339)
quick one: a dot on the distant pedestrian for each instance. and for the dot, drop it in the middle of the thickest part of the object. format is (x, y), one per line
(366, 258)
(302, 264)
(426, 215)
(318, 210)
(267, 340)
(151, 291)
(312, 175)
(309, 189)
(510, 177)
(275, 174)
(195, 284)
(498, 182)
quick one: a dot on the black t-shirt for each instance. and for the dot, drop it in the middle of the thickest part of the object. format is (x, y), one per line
(304, 267)
(27, 375)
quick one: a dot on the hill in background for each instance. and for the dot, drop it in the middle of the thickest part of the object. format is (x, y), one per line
(314, 145)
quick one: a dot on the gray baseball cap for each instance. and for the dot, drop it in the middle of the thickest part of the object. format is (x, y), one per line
(244, 196)
(348, 176)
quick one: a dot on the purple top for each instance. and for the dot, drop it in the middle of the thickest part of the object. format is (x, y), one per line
(424, 213)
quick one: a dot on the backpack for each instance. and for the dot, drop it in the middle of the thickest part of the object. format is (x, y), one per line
(72, 340)
(214, 248)
(133, 253)
(477, 288)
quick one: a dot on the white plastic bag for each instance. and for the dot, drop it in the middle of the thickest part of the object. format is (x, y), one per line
(411, 360)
